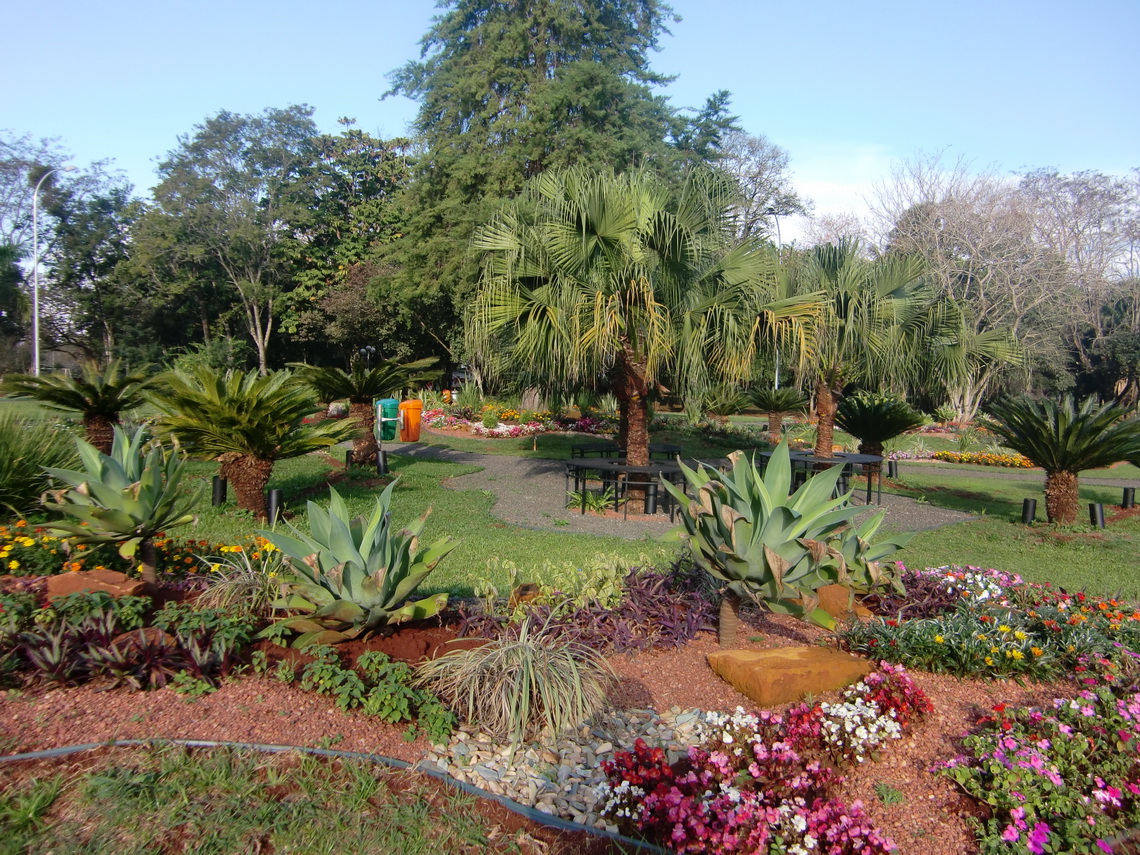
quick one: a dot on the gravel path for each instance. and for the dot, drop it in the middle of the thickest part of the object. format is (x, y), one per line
(532, 493)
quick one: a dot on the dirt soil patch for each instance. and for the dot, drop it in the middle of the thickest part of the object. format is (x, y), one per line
(925, 813)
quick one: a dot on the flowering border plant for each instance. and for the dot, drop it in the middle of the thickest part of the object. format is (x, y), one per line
(1065, 779)
(758, 783)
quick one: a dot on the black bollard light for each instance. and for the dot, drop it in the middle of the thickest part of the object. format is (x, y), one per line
(651, 498)
(1028, 511)
(382, 462)
(893, 469)
(1129, 499)
(273, 510)
(219, 497)
(348, 458)
(1096, 515)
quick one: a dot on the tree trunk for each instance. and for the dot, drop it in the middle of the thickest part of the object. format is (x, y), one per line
(148, 561)
(729, 619)
(875, 448)
(1061, 497)
(775, 428)
(100, 432)
(826, 405)
(364, 448)
(249, 476)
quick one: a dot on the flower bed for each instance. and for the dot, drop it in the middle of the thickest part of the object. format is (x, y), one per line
(464, 420)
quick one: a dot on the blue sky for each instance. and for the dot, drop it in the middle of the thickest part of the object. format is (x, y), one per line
(846, 88)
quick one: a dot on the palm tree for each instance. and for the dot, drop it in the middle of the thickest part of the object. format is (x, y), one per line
(246, 421)
(99, 395)
(599, 275)
(875, 316)
(1064, 440)
(874, 418)
(360, 385)
(777, 403)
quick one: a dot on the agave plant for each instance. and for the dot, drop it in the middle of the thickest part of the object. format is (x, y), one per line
(874, 418)
(861, 564)
(352, 576)
(777, 403)
(99, 395)
(126, 497)
(1064, 439)
(744, 529)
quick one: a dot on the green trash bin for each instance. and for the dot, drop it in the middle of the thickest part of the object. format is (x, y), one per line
(387, 414)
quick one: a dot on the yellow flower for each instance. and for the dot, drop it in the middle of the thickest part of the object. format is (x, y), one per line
(938, 639)
(1004, 628)
(989, 661)
(993, 650)
(1014, 654)
(13, 564)
(1019, 635)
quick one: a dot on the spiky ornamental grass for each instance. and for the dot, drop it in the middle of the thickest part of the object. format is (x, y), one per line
(1065, 438)
(524, 684)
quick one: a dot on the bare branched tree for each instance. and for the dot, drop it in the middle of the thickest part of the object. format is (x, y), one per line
(760, 167)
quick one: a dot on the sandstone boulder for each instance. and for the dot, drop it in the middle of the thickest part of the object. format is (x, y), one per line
(110, 581)
(837, 601)
(786, 674)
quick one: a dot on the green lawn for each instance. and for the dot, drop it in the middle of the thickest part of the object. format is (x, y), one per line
(222, 801)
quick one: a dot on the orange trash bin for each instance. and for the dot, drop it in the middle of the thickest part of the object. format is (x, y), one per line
(410, 412)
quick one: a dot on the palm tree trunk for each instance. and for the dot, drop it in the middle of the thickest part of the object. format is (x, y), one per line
(775, 428)
(729, 623)
(1061, 497)
(364, 448)
(148, 562)
(826, 405)
(249, 476)
(100, 432)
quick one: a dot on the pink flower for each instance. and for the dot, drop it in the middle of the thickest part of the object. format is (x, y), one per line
(1037, 838)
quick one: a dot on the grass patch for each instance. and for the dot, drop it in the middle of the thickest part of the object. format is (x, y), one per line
(1078, 557)
(174, 799)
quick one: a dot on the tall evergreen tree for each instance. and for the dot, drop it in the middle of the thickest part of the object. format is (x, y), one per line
(508, 89)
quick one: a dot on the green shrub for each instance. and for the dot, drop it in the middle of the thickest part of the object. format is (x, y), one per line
(27, 447)
(521, 684)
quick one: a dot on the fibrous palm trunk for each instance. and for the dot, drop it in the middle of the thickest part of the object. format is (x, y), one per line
(1061, 497)
(364, 448)
(775, 427)
(100, 432)
(826, 405)
(729, 619)
(632, 393)
(249, 476)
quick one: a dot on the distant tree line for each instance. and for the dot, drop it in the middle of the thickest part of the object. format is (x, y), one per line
(267, 242)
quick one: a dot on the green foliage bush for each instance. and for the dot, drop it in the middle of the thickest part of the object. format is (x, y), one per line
(378, 687)
(27, 447)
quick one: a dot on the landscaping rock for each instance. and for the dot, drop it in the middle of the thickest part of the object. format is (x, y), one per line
(109, 581)
(773, 677)
(136, 639)
(836, 600)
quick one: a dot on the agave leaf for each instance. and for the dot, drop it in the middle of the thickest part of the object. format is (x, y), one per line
(419, 610)
(128, 548)
(324, 636)
(340, 611)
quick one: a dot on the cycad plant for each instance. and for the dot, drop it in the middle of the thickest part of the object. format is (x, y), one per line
(126, 497)
(354, 575)
(777, 403)
(247, 421)
(1064, 439)
(875, 418)
(763, 542)
(99, 395)
(360, 385)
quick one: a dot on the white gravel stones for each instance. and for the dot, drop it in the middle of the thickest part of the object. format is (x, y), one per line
(560, 779)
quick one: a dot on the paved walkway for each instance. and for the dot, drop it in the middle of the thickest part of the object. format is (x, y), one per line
(531, 492)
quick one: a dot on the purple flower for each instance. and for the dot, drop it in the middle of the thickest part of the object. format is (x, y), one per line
(1037, 838)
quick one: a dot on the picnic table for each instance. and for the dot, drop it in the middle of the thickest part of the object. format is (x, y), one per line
(621, 476)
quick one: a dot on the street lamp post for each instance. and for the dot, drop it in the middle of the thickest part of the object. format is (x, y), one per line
(36, 265)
